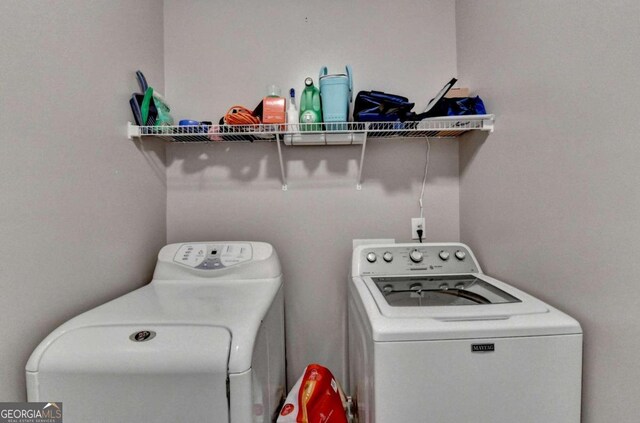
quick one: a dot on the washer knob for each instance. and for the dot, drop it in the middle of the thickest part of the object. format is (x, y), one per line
(371, 257)
(387, 256)
(444, 255)
(415, 256)
(460, 255)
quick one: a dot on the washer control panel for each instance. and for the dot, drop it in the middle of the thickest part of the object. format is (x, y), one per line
(416, 258)
(213, 256)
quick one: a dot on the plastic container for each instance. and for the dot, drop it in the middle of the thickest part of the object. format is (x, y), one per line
(336, 93)
(310, 107)
(273, 106)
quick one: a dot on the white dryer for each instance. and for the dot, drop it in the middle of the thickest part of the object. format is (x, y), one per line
(203, 342)
(433, 339)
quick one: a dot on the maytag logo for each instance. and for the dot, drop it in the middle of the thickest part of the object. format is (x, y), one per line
(483, 347)
(142, 336)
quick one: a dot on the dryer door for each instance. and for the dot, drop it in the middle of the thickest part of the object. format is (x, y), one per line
(141, 373)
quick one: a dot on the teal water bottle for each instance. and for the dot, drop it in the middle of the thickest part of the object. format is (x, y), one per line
(310, 107)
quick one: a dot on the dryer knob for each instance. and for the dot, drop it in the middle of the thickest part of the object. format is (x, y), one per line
(444, 255)
(371, 257)
(460, 255)
(416, 256)
(387, 256)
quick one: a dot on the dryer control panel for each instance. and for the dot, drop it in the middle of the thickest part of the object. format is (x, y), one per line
(213, 256)
(403, 259)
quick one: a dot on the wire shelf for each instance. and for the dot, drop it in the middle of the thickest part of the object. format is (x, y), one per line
(339, 133)
(318, 133)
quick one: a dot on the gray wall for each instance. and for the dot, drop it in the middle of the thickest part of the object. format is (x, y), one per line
(550, 201)
(83, 209)
(221, 54)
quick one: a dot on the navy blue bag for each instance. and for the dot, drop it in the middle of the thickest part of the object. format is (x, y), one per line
(452, 107)
(465, 106)
(376, 106)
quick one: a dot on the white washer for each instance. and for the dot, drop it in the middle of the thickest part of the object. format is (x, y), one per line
(432, 338)
(203, 342)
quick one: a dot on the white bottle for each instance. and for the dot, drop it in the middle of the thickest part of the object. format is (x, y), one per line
(292, 112)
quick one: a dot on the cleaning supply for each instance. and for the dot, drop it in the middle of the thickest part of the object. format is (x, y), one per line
(336, 94)
(273, 106)
(154, 109)
(316, 397)
(310, 107)
(292, 112)
(137, 100)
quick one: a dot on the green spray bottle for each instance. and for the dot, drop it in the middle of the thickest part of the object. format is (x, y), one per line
(310, 108)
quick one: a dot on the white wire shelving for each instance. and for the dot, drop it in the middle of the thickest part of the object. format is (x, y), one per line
(299, 134)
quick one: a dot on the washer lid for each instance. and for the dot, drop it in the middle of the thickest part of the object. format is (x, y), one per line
(467, 296)
(493, 309)
(440, 290)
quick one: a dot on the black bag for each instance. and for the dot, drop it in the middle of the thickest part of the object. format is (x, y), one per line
(437, 106)
(376, 106)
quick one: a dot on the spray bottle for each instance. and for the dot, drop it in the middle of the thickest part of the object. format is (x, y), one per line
(292, 112)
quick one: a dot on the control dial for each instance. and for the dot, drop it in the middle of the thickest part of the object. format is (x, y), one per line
(415, 256)
(371, 257)
(387, 256)
(444, 255)
(460, 255)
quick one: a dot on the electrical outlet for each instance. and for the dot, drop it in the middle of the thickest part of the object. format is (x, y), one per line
(417, 223)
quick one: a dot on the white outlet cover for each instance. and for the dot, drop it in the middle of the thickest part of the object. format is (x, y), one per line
(417, 223)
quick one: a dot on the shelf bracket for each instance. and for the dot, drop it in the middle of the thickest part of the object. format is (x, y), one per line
(487, 124)
(364, 146)
(283, 175)
(132, 131)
